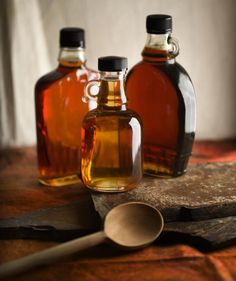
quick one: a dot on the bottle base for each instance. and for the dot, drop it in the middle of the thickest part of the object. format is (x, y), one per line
(160, 171)
(62, 181)
(110, 186)
(108, 189)
(163, 176)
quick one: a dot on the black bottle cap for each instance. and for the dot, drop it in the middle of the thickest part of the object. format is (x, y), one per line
(72, 37)
(159, 24)
(112, 63)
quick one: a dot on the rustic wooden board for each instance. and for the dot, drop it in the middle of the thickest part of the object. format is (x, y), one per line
(20, 191)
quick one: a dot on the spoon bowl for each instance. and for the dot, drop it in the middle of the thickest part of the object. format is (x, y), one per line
(133, 225)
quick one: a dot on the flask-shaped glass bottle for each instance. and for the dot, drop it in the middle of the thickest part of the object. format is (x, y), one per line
(161, 92)
(60, 110)
(111, 152)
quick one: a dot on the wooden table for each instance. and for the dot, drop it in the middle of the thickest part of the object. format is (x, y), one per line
(20, 193)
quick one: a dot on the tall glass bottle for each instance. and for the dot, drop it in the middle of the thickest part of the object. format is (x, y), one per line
(161, 92)
(111, 133)
(59, 112)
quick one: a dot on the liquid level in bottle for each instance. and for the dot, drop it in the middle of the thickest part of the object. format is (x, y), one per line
(59, 114)
(111, 151)
(154, 92)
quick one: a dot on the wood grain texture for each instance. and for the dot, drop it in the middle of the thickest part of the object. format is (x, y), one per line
(20, 191)
(176, 262)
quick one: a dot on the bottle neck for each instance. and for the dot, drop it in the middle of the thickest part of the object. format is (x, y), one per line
(111, 93)
(160, 47)
(72, 57)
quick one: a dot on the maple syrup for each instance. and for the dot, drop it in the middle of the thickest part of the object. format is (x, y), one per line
(161, 92)
(111, 133)
(60, 110)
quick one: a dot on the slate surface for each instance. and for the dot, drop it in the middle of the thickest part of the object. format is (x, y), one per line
(56, 223)
(201, 203)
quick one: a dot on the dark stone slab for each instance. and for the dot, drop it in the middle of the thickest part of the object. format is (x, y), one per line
(214, 233)
(201, 203)
(207, 191)
(57, 223)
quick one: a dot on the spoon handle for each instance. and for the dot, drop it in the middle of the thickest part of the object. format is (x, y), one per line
(52, 254)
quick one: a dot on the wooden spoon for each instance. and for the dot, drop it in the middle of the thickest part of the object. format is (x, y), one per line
(131, 225)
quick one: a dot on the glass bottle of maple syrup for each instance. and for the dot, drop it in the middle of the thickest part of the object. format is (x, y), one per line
(111, 157)
(60, 110)
(161, 92)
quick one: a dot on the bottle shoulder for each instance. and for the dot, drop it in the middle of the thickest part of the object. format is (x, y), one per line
(49, 77)
(158, 66)
(183, 71)
(132, 113)
(171, 71)
(79, 74)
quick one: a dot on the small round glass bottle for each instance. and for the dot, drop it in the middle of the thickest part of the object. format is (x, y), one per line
(161, 92)
(111, 145)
